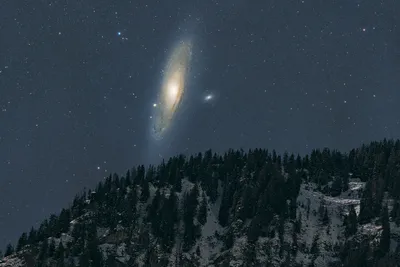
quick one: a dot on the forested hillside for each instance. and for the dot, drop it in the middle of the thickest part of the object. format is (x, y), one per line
(254, 208)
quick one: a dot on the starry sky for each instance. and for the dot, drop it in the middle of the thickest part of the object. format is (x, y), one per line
(78, 80)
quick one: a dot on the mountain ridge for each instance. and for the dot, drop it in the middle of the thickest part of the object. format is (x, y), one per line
(237, 209)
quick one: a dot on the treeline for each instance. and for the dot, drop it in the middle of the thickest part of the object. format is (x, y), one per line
(257, 185)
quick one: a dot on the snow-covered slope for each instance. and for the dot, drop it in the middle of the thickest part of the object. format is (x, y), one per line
(209, 249)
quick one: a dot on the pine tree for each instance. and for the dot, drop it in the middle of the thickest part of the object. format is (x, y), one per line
(59, 255)
(276, 194)
(111, 262)
(43, 250)
(297, 224)
(128, 180)
(336, 187)
(190, 206)
(145, 192)
(298, 162)
(226, 202)
(178, 182)
(71, 262)
(92, 251)
(168, 219)
(22, 241)
(345, 181)
(229, 240)
(32, 236)
(52, 248)
(64, 221)
(249, 204)
(40, 263)
(281, 229)
(351, 222)
(314, 246)
(9, 250)
(154, 214)
(384, 244)
(84, 260)
(250, 257)
(325, 218)
(378, 197)
(202, 214)
(395, 213)
(254, 230)
(60, 251)
(321, 210)
(366, 204)
(308, 208)
(129, 209)
(295, 246)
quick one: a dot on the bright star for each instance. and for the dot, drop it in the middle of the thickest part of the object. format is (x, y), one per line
(119, 33)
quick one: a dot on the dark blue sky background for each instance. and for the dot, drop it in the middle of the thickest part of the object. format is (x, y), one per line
(76, 96)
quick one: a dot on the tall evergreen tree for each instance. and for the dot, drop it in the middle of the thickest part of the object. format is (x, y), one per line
(395, 213)
(59, 255)
(145, 191)
(154, 214)
(345, 180)
(63, 222)
(249, 204)
(366, 204)
(60, 251)
(52, 248)
(337, 186)
(351, 222)
(168, 219)
(226, 202)
(22, 241)
(202, 214)
(191, 231)
(84, 260)
(111, 261)
(177, 186)
(9, 250)
(32, 237)
(314, 246)
(384, 244)
(92, 250)
(254, 230)
(43, 250)
(325, 218)
(229, 240)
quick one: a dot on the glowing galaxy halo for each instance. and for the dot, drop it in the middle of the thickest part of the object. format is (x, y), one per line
(172, 88)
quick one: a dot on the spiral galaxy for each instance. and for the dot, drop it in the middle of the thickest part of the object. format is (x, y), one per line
(172, 88)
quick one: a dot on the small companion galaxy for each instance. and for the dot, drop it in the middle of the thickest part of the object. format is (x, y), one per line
(172, 88)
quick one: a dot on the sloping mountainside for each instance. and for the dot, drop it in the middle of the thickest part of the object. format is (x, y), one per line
(252, 208)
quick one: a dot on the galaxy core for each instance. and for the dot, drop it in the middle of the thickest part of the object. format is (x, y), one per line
(172, 88)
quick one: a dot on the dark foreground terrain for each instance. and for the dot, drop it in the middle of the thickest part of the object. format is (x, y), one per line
(252, 208)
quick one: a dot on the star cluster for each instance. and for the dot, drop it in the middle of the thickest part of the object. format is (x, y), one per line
(78, 79)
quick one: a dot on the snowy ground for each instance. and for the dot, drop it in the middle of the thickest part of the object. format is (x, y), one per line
(267, 249)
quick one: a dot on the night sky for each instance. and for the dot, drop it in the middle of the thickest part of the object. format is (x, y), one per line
(78, 80)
